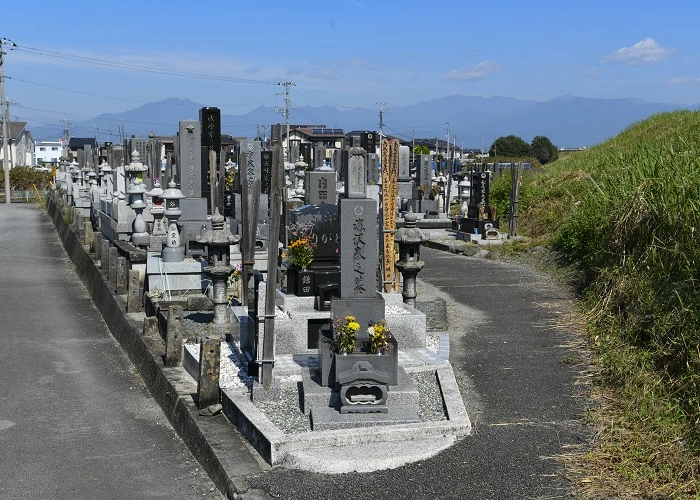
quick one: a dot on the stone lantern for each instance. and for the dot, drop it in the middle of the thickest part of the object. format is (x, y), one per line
(159, 232)
(409, 239)
(106, 175)
(135, 169)
(463, 188)
(441, 181)
(139, 236)
(299, 172)
(173, 252)
(218, 240)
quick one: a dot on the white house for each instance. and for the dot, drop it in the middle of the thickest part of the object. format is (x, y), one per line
(21, 145)
(48, 152)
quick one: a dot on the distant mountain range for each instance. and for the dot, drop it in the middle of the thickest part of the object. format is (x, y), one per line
(567, 121)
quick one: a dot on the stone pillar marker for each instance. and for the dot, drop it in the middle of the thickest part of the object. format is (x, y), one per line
(133, 298)
(104, 255)
(112, 266)
(209, 369)
(121, 284)
(174, 337)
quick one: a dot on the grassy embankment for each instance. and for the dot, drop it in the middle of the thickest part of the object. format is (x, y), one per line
(626, 216)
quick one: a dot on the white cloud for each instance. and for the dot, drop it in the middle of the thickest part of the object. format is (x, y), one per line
(592, 72)
(681, 80)
(645, 52)
(477, 72)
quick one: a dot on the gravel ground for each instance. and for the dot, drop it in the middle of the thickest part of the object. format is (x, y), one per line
(286, 412)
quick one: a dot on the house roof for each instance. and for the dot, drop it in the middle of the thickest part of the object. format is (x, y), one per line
(15, 130)
(321, 133)
(80, 142)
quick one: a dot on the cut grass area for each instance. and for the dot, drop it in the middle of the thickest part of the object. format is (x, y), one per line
(626, 216)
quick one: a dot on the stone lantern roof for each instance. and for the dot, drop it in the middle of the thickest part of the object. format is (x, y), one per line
(136, 165)
(411, 234)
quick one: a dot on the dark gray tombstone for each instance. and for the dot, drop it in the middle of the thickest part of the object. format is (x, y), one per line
(323, 223)
(189, 155)
(319, 187)
(355, 174)
(305, 151)
(336, 160)
(265, 171)
(210, 119)
(479, 189)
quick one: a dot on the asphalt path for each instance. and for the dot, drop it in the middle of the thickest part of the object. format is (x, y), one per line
(513, 353)
(76, 421)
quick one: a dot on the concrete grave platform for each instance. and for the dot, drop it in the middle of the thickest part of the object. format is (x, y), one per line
(382, 442)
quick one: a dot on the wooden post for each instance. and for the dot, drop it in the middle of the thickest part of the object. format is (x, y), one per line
(390, 187)
(515, 175)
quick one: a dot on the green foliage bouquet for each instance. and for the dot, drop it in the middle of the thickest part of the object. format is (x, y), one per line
(345, 330)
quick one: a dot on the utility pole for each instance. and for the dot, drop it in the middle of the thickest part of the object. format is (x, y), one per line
(447, 153)
(286, 117)
(381, 131)
(5, 116)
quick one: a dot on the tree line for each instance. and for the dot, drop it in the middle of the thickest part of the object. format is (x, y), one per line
(512, 146)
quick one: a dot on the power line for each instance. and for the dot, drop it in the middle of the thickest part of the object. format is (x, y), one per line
(135, 67)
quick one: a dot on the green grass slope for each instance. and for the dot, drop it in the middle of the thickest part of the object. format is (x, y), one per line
(626, 213)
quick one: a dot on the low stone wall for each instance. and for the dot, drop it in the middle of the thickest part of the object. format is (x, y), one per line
(163, 383)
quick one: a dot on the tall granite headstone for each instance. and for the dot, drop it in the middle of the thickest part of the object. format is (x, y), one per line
(404, 163)
(319, 157)
(210, 119)
(190, 158)
(355, 174)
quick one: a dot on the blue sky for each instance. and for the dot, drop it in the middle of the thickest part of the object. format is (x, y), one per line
(80, 59)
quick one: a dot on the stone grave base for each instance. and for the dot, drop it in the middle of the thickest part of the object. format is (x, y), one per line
(478, 238)
(322, 405)
(396, 440)
(175, 276)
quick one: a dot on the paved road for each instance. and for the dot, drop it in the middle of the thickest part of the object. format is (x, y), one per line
(509, 355)
(75, 419)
